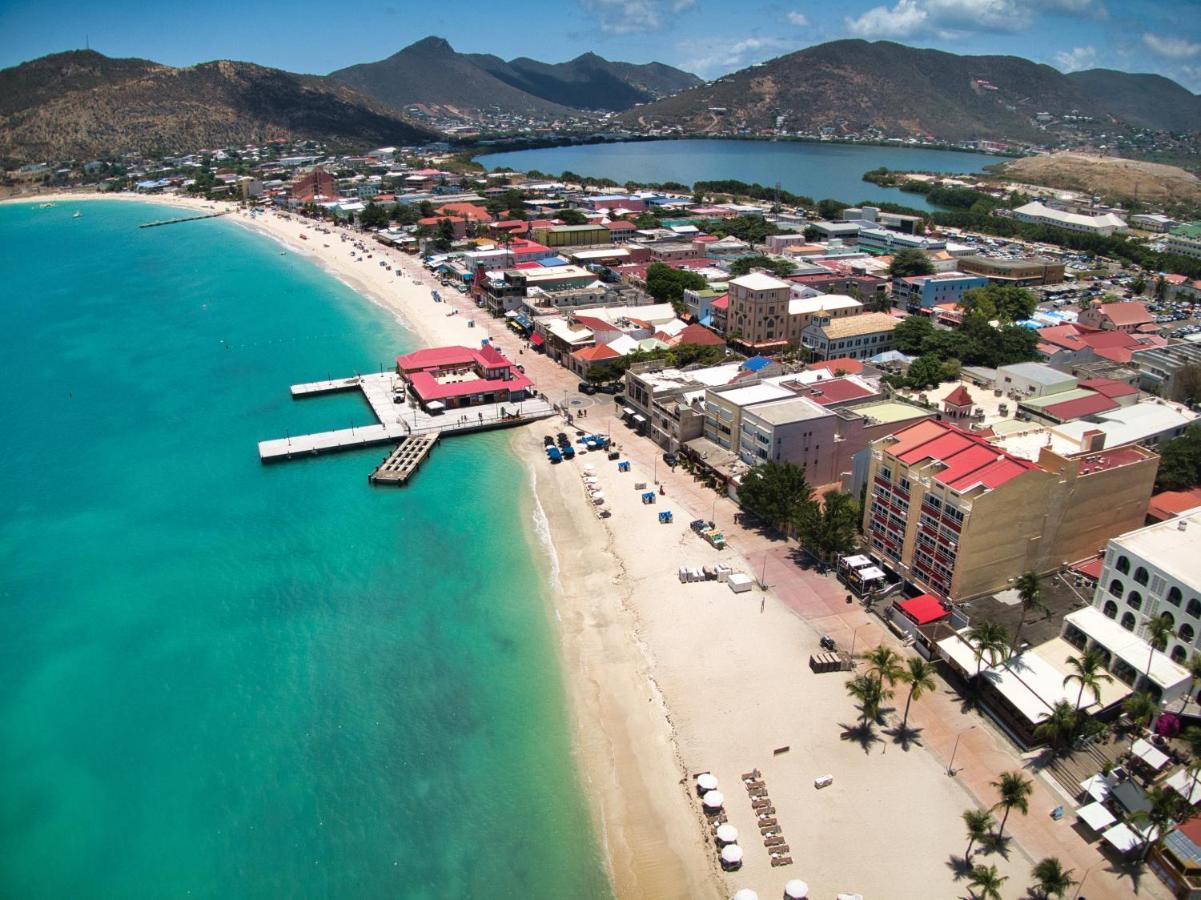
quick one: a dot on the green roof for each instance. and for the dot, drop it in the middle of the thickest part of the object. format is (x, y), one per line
(1192, 230)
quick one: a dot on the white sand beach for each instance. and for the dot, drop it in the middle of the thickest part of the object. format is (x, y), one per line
(669, 679)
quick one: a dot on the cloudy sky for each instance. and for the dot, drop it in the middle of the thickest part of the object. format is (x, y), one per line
(709, 37)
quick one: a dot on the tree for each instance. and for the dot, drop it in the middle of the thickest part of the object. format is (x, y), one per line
(1030, 598)
(986, 882)
(446, 235)
(812, 233)
(1194, 673)
(373, 216)
(1159, 632)
(1088, 669)
(919, 675)
(979, 823)
(667, 285)
(776, 491)
(1002, 303)
(1165, 810)
(830, 209)
(1059, 727)
(1180, 461)
(829, 528)
(925, 371)
(426, 209)
(1051, 879)
(1187, 384)
(572, 217)
(988, 639)
(1140, 707)
(912, 333)
(1015, 790)
(909, 262)
(778, 267)
(870, 693)
(884, 664)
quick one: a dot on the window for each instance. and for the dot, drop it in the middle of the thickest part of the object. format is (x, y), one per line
(1179, 654)
(1171, 618)
(1123, 565)
(1135, 600)
(1141, 576)
(1174, 596)
(1128, 621)
(1111, 609)
(1187, 633)
(904, 484)
(1117, 588)
(1194, 608)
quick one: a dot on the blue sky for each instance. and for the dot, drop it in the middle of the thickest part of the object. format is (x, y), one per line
(708, 37)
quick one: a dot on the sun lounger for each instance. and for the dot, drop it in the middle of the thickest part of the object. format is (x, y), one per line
(760, 804)
(765, 811)
(752, 775)
(769, 822)
(782, 861)
(780, 850)
(760, 794)
(755, 785)
(773, 841)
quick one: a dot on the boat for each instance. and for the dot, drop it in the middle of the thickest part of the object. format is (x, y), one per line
(77, 214)
(45, 206)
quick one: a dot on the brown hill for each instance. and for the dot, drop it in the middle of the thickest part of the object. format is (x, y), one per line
(1109, 177)
(82, 104)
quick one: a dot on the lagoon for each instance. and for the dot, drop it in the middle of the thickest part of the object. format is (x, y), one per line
(817, 170)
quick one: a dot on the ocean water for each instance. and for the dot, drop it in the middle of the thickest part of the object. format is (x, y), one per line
(221, 679)
(814, 170)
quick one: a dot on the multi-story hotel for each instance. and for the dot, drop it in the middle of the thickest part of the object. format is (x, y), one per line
(958, 517)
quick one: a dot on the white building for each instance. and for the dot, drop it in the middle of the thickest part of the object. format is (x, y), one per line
(1152, 572)
(1038, 213)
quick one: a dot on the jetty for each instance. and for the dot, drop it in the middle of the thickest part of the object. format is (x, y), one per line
(404, 460)
(399, 421)
(184, 219)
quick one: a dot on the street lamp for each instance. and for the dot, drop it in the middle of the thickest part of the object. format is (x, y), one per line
(951, 764)
(855, 634)
(763, 573)
(1080, 883)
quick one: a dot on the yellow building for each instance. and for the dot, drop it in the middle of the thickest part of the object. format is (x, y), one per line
(959, 517)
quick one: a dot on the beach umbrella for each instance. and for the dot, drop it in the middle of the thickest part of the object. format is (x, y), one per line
(713, 799)
(746, 894)
(727, 833)
(732, 854)
(598, 497)
(589, 470)
(796, 890)
(706, 782)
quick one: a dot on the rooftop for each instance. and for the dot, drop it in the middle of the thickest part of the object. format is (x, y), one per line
(855, 326)
(1036, 372)
(784, 412)
(888, 411)
(1171, 545)
(965, 461)
(1168, 504)
(826, 302)
(1130, 647)
(759, 281)
(755, 393)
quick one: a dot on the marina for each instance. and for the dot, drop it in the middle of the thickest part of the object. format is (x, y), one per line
(404, 460)
(184, 219)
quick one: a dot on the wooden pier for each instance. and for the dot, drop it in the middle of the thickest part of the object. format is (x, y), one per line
(184, 219)
(402, 462)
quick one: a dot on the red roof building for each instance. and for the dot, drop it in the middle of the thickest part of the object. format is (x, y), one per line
(1169, 504)
(833, 391)
(1069, 410)
(923, 609)
(315, 186)
(457, 377)
(843, 364)
(465, 210)
(1127, 316)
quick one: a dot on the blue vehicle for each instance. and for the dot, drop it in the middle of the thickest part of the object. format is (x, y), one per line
(553, 454)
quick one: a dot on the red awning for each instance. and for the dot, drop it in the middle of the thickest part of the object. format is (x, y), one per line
(924, 609)
(536, 340)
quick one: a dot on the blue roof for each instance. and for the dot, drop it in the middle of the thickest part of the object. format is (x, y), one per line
(756, 363)
(891, 356)
(550, 262)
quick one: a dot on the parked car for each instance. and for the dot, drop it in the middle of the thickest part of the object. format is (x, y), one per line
(587, 387)
(613, 387)
(671, 459)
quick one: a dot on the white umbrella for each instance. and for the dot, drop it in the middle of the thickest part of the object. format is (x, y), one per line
(796, 890)
(746, 894)
(589, 470)
(713, 799)
(731, 853)
(727, 833)
(598, 497)
(706, 782)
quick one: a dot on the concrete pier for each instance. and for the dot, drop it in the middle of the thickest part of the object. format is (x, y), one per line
(402, 462)
(184, 219)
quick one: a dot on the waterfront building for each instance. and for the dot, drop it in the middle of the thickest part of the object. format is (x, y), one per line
(454, 377)
(1039, 213)
(958, 516)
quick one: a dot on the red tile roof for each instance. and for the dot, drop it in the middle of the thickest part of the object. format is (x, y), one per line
(839, 364)
(1167, 504)
(1109, 387)
(1075, 409)
(596, 353)
(969, 461)
(1128, 313)
(699, 334)
(722, 302)
(924, 609)
(834, 390)
(959, 397)
(1090, 567)
(620, 225)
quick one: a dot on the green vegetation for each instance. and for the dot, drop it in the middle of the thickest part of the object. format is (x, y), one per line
(870, 693)
(780, 267)
(776, 492)
(373, 216)
(1180, 461)
(676, 357)
(667, 285)
(979, 822)
(829, 529)
(1030, 598)
(919, 675)
(986, 882)
(999, 303)
(926, 372)
(989, 639)
(1051, 879)
(1015, 790)
(572, 217)
(974, 343)
(909, 262)
(752, 191)
(752, 229)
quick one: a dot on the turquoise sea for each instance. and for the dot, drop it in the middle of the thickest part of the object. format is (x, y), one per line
(228, 680)
(812, 169)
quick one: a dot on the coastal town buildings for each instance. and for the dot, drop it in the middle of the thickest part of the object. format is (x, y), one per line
(445, 378)
(915, 293)
(858, 337)
(1038, 213)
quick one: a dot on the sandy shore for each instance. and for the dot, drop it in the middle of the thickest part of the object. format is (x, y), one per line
(667, 680)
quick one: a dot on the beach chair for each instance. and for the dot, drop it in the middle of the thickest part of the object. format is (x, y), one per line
(780, 850)
(760, 804)
(769, 822)
(755, 785)
(752, 775)
(765, 811)
(782, 861)
(774, 841)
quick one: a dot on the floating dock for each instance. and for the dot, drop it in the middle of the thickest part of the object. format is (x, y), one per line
(397, 421)
(404, 460)
(184, 219)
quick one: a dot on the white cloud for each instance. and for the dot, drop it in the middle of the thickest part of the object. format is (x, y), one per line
(634, 16)
(713, 57)
(952, 18)
(1076, 59)
(797, 18)
(1171, 47)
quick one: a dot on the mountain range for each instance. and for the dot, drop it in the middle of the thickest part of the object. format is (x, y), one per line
(82, 105)
(430, 74)
(853, 86)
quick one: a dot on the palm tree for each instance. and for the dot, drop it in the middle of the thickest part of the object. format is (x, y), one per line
(1058, 728)
(919, 675)
(1030, 597)
(986, 882)
(1015, 790)
(989, 638)
(1166, 809)
(1194, 673)
(979, 823)
(1141, 708)
(870, 693)
(1159, 631)
(1051, 878)
(884, 664)
(1089, 671)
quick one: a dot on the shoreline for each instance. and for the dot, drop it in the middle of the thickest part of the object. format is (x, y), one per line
(665, 679)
